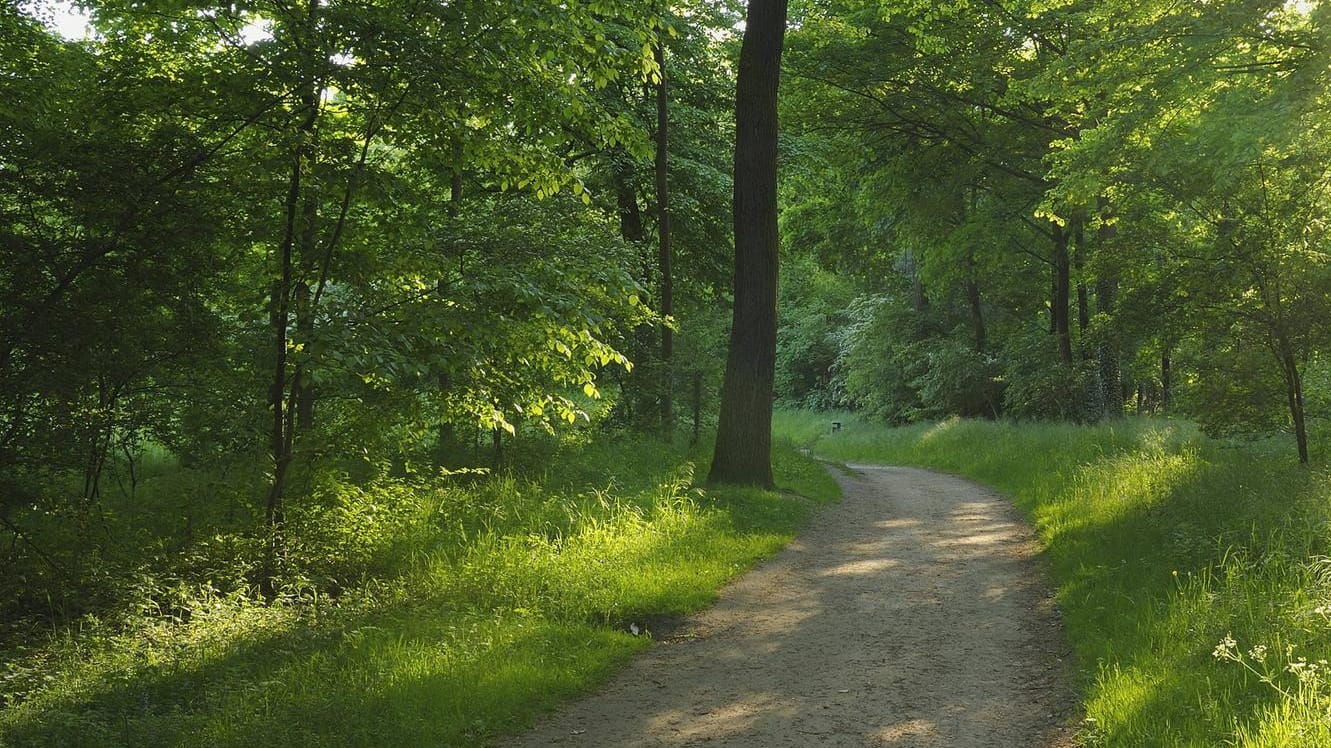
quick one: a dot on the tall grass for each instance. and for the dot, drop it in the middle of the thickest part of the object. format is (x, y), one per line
(458, 613)
(1193, 576)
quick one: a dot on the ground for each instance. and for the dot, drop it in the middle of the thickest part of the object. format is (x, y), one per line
(913, 614)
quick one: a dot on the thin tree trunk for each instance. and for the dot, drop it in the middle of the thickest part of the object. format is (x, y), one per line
(1166, 374)
(1111, 375)
(1294, 393)
(1106, 293)
(1061, 291)
(743, 452)
(305, 329)
(663, 232)
(280, 319)
(445, 435)
(455, 185)
(1083, 297)
(630, 215)
(976, 309)
(697, 408)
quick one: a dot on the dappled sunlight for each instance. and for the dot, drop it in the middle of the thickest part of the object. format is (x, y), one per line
(997, 536)
(907, 730)
(734, 718)
(863, 566)
(938, 430)
(907, 615)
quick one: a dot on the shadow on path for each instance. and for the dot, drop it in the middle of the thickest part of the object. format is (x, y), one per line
(911, 614)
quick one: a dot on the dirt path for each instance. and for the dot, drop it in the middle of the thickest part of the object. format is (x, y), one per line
(911, 614)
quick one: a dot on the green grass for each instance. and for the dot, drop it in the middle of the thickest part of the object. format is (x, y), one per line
(462, 612)
(1161, 543)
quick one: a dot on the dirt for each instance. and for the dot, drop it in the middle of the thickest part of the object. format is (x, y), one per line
(913, 614)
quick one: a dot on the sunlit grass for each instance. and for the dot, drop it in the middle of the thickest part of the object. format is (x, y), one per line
(1161, 544)
(475, 609)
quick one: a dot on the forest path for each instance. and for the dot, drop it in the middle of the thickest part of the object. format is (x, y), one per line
(913, 613)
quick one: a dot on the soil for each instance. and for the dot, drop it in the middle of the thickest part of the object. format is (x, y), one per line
(912, 614)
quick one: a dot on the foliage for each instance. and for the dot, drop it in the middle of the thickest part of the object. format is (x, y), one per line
(1143, 182)
(460, 610)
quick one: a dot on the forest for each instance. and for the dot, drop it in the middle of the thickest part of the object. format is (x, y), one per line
(330, 327)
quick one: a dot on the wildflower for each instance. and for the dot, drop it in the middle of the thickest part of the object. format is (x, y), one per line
(1225, 649)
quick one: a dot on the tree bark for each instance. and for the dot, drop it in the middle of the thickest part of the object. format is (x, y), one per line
(630, 216)
(663, 235)
(1111, 375)
(743, 452)
(281, 435)
(976, 309)
(455, 183)
(305, 331)
(697, 407)
(1166, 374)
(1061, 292)
(1083, 297)
(1294, 393)
(1106, 292)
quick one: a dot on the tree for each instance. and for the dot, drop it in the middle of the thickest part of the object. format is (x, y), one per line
(744, 432)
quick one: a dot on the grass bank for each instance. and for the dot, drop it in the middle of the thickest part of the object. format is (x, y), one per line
(460, 613)
(1194, 576)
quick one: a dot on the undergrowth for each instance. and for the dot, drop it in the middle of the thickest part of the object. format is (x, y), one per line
(1194, 576)
(424, 611)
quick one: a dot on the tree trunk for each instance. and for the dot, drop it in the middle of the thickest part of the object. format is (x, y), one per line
(455, 184)
(1061, 292)
(1111, 375)
(305, 330)
(976, 310)
(697, 407)
(663, 231)
(282, 427)
(630, 216)
(1166, 374)
(1106, 292)
(1294, 393)
(1083, 297)
(743, 452)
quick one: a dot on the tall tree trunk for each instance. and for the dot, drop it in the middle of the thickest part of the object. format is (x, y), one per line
(1083, 297)
(743, 452)
(446, 435)
(1111, 375)
(697, 407)
(279, 319)
(663, 231)
(638, 404)
(1294, 394)
(976, 309)
(630, 215)
(1166, 375)
(910, 266)
(1061, 292)
(305, 331)
(455, 183)
(282, 424)
(1106, 293)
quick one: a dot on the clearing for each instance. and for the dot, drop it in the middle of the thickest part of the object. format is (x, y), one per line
(911, 614)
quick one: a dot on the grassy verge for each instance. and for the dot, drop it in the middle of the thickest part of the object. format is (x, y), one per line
(1193, 576)
(472, 610)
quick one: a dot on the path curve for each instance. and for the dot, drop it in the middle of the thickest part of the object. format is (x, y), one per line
(912, 614)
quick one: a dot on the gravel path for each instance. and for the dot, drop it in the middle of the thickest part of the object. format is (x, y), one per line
(910, 614)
